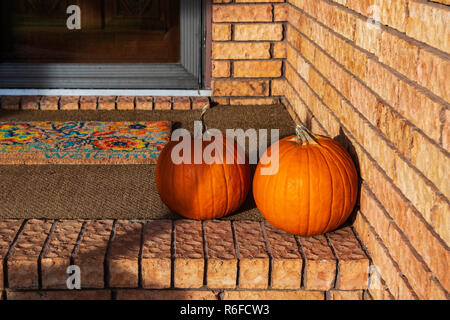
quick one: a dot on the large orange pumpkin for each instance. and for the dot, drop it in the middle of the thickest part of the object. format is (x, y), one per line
(315, 188)
(203, 191)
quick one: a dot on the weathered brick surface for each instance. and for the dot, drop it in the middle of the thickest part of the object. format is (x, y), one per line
(166, 295)
(253, 256)
(69, 103)
(156, 254)
(88, 103)
(391, 102)
(50, 103)
(106, 103)
(255, 32)
(23, 261)
(10, 102)
(221, 255)
(273, 295)
(200, 102)
(144, 103)
(286, 259)
(181, 103)
(345, 295)
(189, 254)
(238, 88)
(125, 103)
(124, 255)
(320, 264)
(59, 295)
(163, 103)
(30, 102)
(8, 231)
(257, 69)
(57, 255)
(352, 261)
(242, 13)
(240, 50)
(91, 253)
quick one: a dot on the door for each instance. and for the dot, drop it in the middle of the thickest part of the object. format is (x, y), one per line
(101, 44)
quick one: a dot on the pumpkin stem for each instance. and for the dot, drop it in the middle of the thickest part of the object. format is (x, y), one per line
(202, 118)
(304, 135)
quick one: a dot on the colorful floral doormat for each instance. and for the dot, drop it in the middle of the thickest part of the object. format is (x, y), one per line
(79, 142)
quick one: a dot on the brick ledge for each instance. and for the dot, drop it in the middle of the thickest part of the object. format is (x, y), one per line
(160, 259)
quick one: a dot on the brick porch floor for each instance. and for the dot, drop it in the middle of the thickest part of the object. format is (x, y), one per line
(183, 259)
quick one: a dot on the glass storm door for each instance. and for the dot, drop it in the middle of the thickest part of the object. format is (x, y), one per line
(104, 44)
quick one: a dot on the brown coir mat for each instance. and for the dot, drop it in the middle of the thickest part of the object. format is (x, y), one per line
(114, 191)
(82, 142)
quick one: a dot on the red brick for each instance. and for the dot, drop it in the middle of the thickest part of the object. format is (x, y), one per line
(144, 103)
(240, 50)
(279, 50)
(125, 103)
(221, 69)
(30, 102)
(106, 103)
(353, 264)
(419, 108)
(200, 102)
(88, 103)
(399, 54)
(346, 295)
(253, 256)
(221, 32)
(124, 255)
(181, 103)
(286, 259)
(241, 88)
(166, 295)
(253, 101)
(60, 295)
(8, 231)
(156, 254)
(258, 32)
(257, 69)
(23, 262)
(69, 103)
(429, 23)
(90, 256)
(273, 295)
(242, 13)
(49, 103)
(163, 103)
(221, 253)
(10, 102)
(56, 257)
(433, 73)
(189, 257)
(397, 284)
(320, 263)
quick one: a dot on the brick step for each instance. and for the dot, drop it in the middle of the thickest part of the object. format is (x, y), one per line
(221, 259)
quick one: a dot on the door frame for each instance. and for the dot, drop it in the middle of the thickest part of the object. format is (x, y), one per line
(188, 74)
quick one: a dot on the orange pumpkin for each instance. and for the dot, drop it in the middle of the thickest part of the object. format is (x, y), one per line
(315, 188)
(203, 191)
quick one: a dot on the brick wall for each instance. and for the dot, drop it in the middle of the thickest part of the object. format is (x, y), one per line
(247, 50)
(383, 90)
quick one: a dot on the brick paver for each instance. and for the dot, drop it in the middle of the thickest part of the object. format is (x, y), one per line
(320, 264)
(189, 256)
(156, 254)
(253, 256)
(221, 253)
